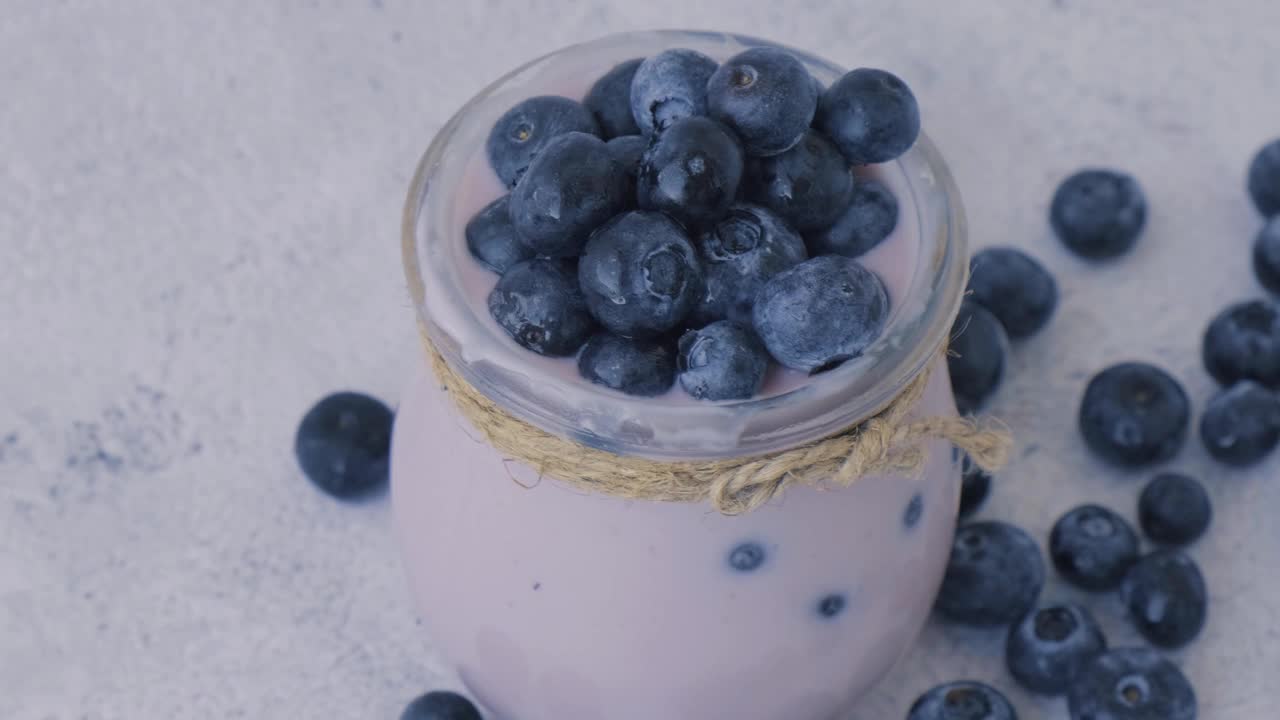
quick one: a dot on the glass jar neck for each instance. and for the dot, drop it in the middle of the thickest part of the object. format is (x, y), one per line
(565, 405)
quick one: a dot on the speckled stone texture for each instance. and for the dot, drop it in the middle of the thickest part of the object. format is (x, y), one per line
(199, 208)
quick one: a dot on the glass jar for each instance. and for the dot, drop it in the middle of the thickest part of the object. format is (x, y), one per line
(552, 603)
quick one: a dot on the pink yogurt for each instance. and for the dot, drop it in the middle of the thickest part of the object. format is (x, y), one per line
(553, 604)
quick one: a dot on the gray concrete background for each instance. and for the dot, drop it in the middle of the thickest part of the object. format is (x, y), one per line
(199, 205)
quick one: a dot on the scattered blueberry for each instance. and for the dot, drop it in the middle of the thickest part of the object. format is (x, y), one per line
(915, 510)
(831, 605)
(691, 171)
(1166, 598)
(670, 86)
(869, 218)
(343, 442)
(975, 486)
(820, 313)
(746, 557)
(1174, 509)
(1266, 255)
(1093, 547)
(976, 356)
(964, 700)
(493, 240)
(1047, 649)
(1243, 343)
(609, 100)
(627, 150)
(540, 306)
(636, 367)
(722, 361)
(1131, 684)
(1241, 424)
(441, 705)
(1098, 214)
(994, 576)
(524, 131)
(766, 96)
(640, 274)
(1014, 287)
(871, 115)
(572, 187)
(1134, 414)
(809, 185)
(1264, 179)
(742, 251)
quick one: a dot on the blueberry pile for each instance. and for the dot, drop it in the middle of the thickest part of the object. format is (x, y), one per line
(692, 222)
(1132, 415)
(995, 577)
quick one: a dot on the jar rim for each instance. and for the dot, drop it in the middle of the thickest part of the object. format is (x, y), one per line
(603, 418)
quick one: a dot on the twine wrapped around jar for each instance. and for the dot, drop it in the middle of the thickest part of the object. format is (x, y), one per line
(887, 442)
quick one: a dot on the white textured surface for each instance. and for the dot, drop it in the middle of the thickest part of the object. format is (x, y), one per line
(199, 204)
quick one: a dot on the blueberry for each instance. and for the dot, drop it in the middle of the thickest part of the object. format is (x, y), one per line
(741, 252)
(670, 86)
(747, 556)
(1243, 343)
(640, 274)
(975, 486)
(1266, 255)
(540, 306)
(820, 313)
(1134, 414)
(1241, 424)
(871, 115)
(524, 131)
(572, 187)
(809, 185)
(976, 356)
(691, 171)
(493, 240)
(1015, 288)
(342, 444)
(1093, 547)
(1098, 214)
(609, 100)
(1174, 509)
(1047, 649)
(914, 511)
(627, 150)
(831, 605)
(441, 705)
(964, 700)
(636, 367)
(766, 96)
(869, 218)
(722, 361)
(1131, 684)
(1166, 598)
(994, 576)
(1264, 179)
